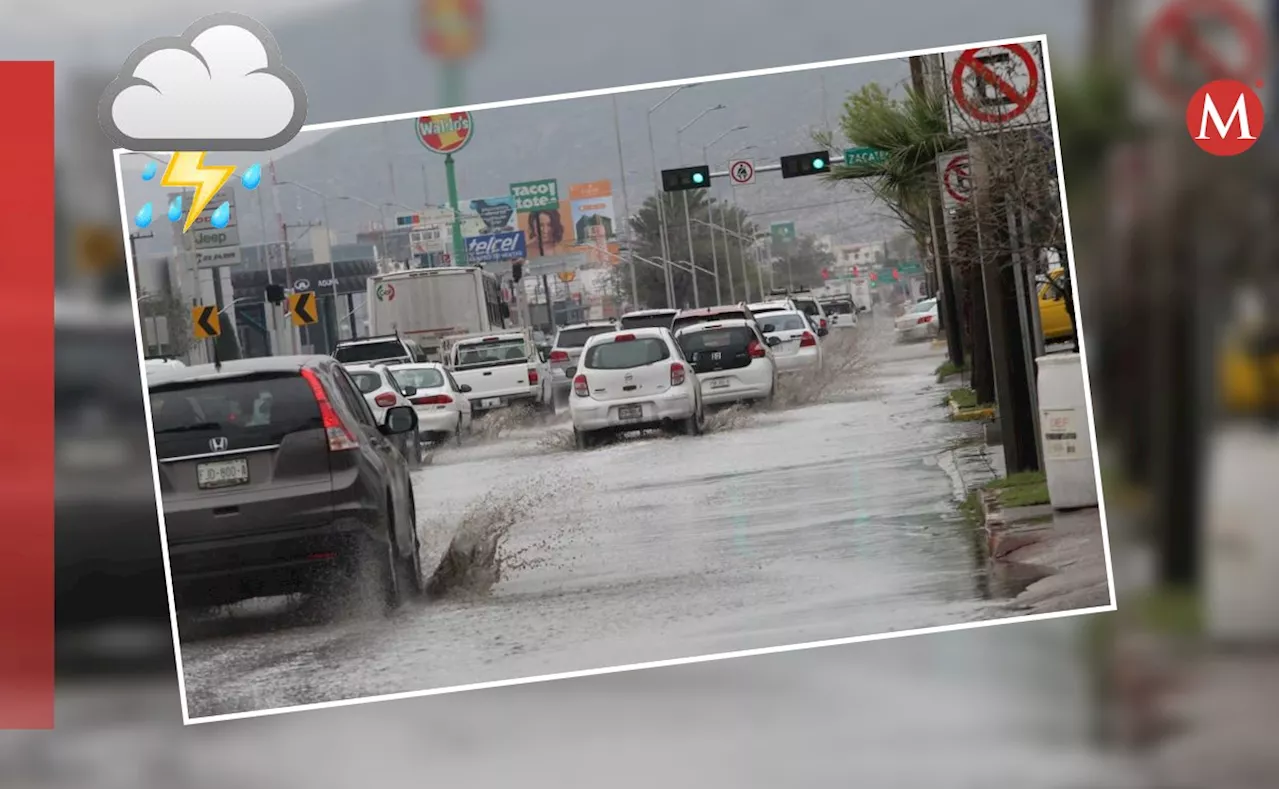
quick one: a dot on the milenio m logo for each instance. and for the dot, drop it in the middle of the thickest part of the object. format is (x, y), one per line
(1225, 117)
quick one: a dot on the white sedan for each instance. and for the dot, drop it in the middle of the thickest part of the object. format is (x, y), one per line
(633, 380)
(919, 322)
(793, 339)
(444, 412)
(732, 361)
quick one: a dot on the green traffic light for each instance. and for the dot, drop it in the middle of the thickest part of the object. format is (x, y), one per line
(697, 178)
(818, 164)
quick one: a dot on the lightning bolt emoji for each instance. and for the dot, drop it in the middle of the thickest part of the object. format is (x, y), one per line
(187, 168)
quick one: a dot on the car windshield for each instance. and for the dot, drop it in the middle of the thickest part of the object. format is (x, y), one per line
(783, 321)
(646, 321)
(924, 306)
(194, 417)
(577, 337)
(726, 338)
(371, 352)
(626, 354)
(421, 377)
(366, 381)
(492, 352)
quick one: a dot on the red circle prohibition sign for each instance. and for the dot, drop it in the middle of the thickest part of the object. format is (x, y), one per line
(1021, 100)
(955, 173)
(1176, 25)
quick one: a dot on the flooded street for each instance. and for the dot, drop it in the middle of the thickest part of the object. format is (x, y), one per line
(831, 514)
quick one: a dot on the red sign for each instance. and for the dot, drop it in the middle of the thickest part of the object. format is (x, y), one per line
(1176, 27)
(451, 29)
(445, 133)
(955, 178)
(826, 274)
(1015, 99)
(1225, 117)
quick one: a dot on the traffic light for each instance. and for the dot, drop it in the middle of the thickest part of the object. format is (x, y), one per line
(517, 272)
(683, 178)
(896, 275)
(826, 274)
(805, 164)
(275, 293)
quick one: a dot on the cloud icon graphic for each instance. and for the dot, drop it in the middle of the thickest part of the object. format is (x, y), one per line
(220, 86)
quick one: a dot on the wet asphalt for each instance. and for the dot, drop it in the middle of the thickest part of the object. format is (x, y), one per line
(832, 514)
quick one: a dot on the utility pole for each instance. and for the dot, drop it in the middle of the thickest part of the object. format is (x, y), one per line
(948, 304)
(286, 250)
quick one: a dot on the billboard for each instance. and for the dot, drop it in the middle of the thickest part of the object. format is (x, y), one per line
(555, 226)
(497, 213)
(495, 247)
(594, 221)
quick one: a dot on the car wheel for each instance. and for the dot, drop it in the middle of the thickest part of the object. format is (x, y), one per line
(413, 562)
(457, 432)
(387, 564)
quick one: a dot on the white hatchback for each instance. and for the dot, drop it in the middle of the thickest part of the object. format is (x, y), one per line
(633, 380)
(444, 412)
(382, 391)
(791, 337)
(732, 361)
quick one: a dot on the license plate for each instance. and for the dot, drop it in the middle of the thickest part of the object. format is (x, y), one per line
(491, 402)
(222, 473)
(719, 383)
(630, 412)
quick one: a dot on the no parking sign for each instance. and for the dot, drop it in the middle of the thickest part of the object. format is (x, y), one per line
(997, 88)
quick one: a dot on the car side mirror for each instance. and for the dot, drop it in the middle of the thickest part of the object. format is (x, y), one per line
(399, 419)
(464, 388)
(773, 342)
(410, 391)
(768, 327)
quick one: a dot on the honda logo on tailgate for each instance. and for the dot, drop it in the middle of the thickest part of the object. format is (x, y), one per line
(218, 444)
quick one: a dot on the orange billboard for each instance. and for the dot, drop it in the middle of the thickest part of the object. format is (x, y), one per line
(594, 220)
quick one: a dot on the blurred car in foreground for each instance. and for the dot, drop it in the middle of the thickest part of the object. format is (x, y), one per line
(731, 360)
(919, 322)
(444, 412)
(644, 319)
(793, 340)
(633, 380)
(276, 479)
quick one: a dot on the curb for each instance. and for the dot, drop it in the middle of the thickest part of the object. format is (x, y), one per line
(976, 414)
(1001, 537)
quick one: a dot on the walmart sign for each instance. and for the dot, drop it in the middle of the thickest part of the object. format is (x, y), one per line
(496, 247)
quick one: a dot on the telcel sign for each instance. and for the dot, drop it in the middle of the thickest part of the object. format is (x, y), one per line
(496, 247)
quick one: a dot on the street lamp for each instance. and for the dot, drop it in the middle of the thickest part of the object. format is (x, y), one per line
(688, 226)
(662, 213)
(715, 258)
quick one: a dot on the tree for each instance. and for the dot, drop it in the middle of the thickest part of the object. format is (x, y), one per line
(799, 264)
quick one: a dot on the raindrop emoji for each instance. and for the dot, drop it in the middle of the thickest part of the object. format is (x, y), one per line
(175, 209)
(149, 171)
(252, 176)
(222, 216)
(144, 216)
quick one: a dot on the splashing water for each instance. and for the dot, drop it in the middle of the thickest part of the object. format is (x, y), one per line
(221, 216)
(144, 216)
(252, 176)
(175, 209)
(149, 171)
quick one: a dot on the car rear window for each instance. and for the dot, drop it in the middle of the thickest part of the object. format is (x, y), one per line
(782, 321)
(809, 308)
(366, 381)
(421, 378)
(193, 417)
(728, 338)
(627, 354)
(647, 322)
(839, 307)
(371, 352)
(577, 338)
(693, 320)
(481, 354)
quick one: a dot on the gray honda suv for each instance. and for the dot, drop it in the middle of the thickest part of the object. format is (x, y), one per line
(276, 479)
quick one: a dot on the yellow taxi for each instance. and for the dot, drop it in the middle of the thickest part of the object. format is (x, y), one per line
(1055, 321)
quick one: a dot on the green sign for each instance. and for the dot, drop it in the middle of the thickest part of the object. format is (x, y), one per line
(854, 156)
(541, 195)
(911, 268)
(782, 232)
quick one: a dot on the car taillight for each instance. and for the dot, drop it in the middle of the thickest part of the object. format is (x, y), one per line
(558, 356)
(533, 376)
(807, 340)
(822, 324)
(580, 386)
(340, 438)
(440, 399)
(677, 374)
(924, 319)
(384, 400)
(755, 350)
(624, 338)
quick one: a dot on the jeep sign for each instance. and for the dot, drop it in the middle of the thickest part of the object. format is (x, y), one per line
(496, 247)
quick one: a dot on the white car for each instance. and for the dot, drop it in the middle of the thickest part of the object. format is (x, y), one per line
(381, 391)
(792, 338)
(444, 412)
(732, 361)
(841, 313)
(633, 380)
(777, 305)
(919, 322)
